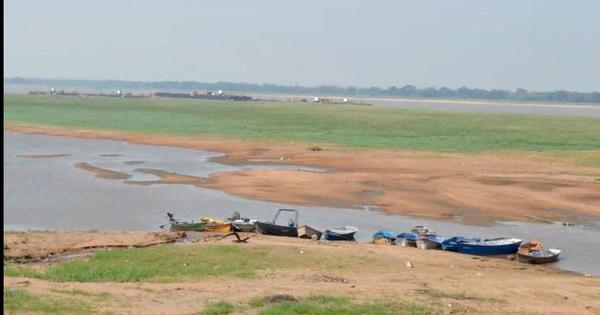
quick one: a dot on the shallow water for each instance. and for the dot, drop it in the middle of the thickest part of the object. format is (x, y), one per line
(50, 193)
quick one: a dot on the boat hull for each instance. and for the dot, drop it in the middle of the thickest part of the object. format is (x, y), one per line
(277, 230)
(187, 226)
(427, 244)
(332, 236)
(548, 257)
(243, 227)
(306, 231)
(217, 227)
(474, 247)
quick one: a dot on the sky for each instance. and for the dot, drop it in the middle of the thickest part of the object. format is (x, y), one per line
(508, 44)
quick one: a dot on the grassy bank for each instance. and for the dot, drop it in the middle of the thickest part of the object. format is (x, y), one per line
(355, 126)
(166, 263)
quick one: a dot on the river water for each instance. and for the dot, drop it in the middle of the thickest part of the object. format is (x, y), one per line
(51, 193)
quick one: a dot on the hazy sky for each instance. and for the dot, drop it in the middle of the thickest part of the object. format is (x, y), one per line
(539, 45)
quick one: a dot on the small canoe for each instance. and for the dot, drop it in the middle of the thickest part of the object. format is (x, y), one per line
(534, 253)
(177, 225)
(407, 239)
(215, 225)
(343, 233)
(475, 246)
(305, 231)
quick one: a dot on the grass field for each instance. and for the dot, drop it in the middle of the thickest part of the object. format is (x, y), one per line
(344, 125)
(149, 264)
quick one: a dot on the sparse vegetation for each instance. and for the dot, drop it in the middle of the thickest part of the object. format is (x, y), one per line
(219, 308)
(324, 305)
(165, 263)
(21, 301)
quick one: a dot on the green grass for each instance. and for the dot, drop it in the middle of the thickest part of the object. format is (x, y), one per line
(353, 126)
(219, 308)
(173, 263)
(21, 301)
(329, 305)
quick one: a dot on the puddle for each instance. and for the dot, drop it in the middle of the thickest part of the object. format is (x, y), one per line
(53, 194)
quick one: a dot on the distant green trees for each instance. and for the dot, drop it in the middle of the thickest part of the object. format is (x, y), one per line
(393, 91)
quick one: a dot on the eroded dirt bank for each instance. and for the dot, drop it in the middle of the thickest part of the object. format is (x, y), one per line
(454, 282)
(479, 188)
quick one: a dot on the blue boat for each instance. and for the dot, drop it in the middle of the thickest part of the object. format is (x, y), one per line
(343, 233)
(407, 239)
(384, 234)
(476, 246)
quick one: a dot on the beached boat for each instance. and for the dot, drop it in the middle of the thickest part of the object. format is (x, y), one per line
(215, 225)
(177, 225)
(533, 252)
(342, 233)
(291, 229)
(384, 237)
(475, 246)
(240, 224)
(305, 231)
(407, 239)
(421, 230)
(431, 241)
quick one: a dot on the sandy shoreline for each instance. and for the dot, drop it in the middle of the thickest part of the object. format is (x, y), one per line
(459, 283)
(481, 188)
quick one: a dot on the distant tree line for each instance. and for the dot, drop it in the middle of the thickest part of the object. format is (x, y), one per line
(404, 91)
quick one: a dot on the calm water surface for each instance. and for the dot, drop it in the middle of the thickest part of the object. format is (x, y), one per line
(50, 193)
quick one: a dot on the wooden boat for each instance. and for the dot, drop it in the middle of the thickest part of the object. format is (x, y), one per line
(271, 228)
(475, 246)
(240, 224)
(407, 239)
(215, 225)
(533, 252)
(177, 225)
(342, 233)
(305, 231)
(384, 237)
(430, 241)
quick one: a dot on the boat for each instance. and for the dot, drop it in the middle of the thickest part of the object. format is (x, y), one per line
(421, 230)
(291, 229)
(430, 241)
(305, 231)
(342, 233)
(215, 225)
(240, 224)
(476, 246)
(271, 228)
(177, 225)
(407, 239)
(533, 252)
(384, 237)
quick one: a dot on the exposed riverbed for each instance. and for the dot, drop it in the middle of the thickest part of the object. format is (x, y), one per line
(45, 190)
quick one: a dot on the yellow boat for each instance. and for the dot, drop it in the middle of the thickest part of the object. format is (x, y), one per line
(215, 225)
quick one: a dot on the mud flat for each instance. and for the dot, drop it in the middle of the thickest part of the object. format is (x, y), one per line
(197, 276)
